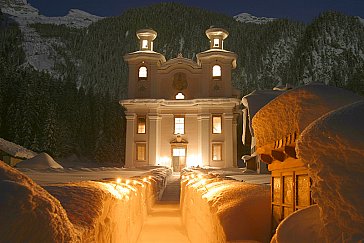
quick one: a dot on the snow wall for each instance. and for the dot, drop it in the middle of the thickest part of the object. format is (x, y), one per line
(29, 213)
(76, 212)
(333, 149)
(219, 210)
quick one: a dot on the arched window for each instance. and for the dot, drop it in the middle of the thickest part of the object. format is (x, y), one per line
(180, 96)
(216, 71)
(143, 72)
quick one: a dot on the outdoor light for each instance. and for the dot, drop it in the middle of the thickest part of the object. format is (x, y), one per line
(118, 180)
(127, 182)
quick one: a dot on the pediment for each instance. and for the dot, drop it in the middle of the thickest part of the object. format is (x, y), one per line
(180, 62)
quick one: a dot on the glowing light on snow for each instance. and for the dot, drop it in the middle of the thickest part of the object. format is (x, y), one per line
(193, 161)
(164, 161)
(214, 190)
(117, 191)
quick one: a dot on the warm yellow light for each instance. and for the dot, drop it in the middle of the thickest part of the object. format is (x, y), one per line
(193, 161)
(180, 96)
(200, 176)
(164, 161)
(150, 177)
(145, 179)
(118, 191)
(127, 182)
(118, 180)
(216, 71)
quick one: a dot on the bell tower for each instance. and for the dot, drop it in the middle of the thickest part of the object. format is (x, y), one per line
(146, 38)
(217, 37)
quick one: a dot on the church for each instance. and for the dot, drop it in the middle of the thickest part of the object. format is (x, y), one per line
(180, 112)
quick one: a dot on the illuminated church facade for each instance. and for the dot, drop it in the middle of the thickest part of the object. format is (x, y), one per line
(181, 112)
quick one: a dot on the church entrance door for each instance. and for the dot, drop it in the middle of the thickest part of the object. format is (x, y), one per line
(178, 158)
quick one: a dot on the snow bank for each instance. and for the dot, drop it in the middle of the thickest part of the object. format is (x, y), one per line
(40, 161)
(295, 109)
(29, 213)
(16, 150)
(333, 149)
(300, 227)
(218, 210)
(94, 211)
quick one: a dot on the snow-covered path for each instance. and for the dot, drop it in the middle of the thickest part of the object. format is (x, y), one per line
(164, 223)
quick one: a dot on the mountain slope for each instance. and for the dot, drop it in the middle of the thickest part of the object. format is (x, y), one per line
(331, 51)
(42, 53)
(101, 46)
(328, 50)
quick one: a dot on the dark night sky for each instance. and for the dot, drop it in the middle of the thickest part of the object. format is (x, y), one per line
(303, 10)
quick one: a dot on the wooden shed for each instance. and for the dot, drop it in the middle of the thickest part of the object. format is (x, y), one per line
(12, 153)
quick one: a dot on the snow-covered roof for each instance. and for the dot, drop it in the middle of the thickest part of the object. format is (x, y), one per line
(333, 149)
(256, 100)
(40, 161)
(16, 150)
(294, 110)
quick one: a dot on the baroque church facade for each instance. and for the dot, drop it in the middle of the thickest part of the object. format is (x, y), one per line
(180, 112)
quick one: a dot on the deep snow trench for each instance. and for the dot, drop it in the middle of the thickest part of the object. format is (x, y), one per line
(164, 223)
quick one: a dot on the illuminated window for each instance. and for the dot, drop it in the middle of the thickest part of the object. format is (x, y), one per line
(141, 151)
(216, 71)
(179, 152)
(141, 125)
(143, 72)
(216, 42)
(180, 96)
(144, 44)
(217, 151)
(179, 125)
(216, 124)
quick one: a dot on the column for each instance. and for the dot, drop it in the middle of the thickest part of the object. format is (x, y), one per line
(204, 138)
(229, 138)
(130, 143)
(235, 140)
(154, 141)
